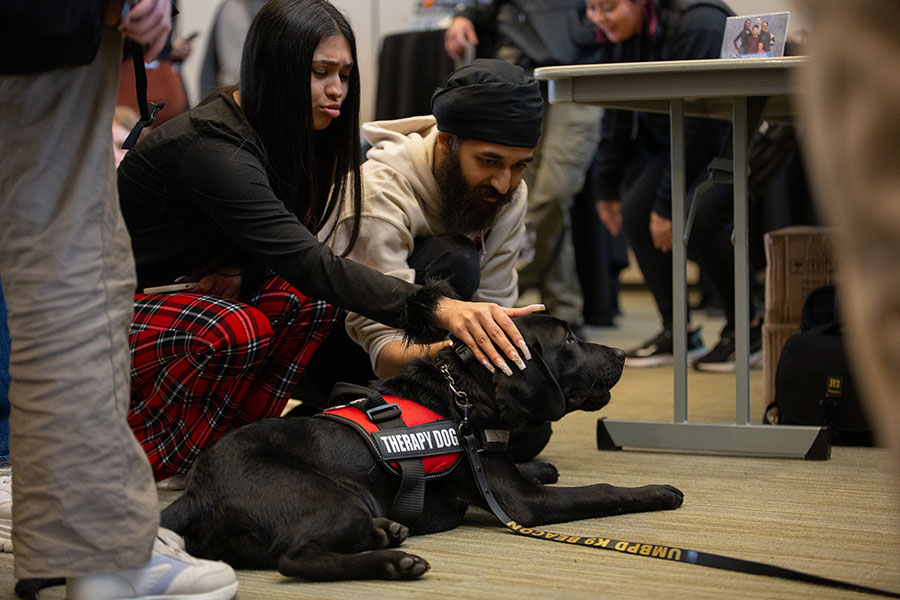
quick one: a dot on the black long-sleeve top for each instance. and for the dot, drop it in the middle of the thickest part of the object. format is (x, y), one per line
(688, 29)
(195, 192)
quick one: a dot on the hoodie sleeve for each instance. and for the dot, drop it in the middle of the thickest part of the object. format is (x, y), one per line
(390, 214)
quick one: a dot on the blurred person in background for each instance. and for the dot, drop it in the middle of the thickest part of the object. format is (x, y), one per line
(851, 113)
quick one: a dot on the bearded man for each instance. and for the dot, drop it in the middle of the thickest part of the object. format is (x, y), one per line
(443, 197)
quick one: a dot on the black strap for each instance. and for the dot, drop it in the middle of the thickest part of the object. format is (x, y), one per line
(513, 418)
(149, 110)
(462, 350)
(343, 392)
(410, 497)
(715, 561)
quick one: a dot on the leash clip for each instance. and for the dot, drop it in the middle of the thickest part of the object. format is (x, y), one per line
(462, 399)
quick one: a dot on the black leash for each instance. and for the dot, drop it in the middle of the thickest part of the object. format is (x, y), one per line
(715, 561)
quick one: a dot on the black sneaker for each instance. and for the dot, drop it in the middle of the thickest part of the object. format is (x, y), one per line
(721, 358)
(657, 351)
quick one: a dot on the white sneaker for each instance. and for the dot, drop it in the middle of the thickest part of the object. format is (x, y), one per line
(171, 574)
(170, 538)
(6, 508)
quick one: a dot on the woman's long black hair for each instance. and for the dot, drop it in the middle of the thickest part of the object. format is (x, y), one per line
(311, 171)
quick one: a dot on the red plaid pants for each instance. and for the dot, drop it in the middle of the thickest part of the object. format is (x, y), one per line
(201, 365)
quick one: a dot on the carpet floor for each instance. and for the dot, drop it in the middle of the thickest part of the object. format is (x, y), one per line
(837, 518)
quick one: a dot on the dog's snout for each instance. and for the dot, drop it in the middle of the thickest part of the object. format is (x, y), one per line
(619, 354)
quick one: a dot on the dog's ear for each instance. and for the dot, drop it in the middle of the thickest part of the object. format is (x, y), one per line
(534, 392)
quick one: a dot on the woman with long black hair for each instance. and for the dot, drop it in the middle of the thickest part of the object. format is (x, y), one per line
(228, 199)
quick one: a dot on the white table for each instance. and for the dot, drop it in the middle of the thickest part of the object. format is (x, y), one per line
(742, 91)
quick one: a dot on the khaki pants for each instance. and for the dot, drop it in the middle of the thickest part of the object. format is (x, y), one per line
(83, 495)
(569, 137)
(852, 122)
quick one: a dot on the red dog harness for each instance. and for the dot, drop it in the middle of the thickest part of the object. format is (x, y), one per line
(426, 435)
(409, 439)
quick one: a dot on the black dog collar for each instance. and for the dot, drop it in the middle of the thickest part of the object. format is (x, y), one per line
(511, 417)
(492, 440)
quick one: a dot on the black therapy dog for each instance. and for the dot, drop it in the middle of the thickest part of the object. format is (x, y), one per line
(307, 496)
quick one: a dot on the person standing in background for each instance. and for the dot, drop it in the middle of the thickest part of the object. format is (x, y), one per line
(85, 507)
(851, 115)
(222, 61)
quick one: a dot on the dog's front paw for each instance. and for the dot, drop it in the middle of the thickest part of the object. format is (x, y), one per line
(401, 565)
(661, 497)
(539, 471)
(389, 534)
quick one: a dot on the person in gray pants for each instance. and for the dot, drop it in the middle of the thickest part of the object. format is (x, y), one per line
(84, 503)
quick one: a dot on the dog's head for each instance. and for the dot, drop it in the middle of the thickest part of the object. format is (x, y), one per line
(564, 374)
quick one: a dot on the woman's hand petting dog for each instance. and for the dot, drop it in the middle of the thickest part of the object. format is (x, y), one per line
(484, 327)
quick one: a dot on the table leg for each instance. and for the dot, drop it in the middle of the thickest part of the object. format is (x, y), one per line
(679, 259)
(740, 238)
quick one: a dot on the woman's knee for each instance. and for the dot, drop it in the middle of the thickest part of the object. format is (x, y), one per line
(240, 327)
(200, 327)
(279, 301)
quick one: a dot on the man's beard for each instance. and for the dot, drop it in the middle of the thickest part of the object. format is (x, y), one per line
(462, 210)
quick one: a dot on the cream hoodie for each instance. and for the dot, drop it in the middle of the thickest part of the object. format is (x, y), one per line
(400, 203)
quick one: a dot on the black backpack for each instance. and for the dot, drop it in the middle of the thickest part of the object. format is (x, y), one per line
(813, 381)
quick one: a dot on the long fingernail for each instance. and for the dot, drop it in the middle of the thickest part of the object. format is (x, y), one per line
(504, 367)
(488, 366)
(536, 307)
(519, 362)
(524, 348)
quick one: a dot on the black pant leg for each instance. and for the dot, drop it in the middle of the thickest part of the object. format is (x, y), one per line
(656, 267)
(710, 244)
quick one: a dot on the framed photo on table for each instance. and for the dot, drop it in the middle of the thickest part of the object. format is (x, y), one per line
(755, 36)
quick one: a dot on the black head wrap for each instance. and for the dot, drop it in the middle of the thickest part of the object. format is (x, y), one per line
(492, 101)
